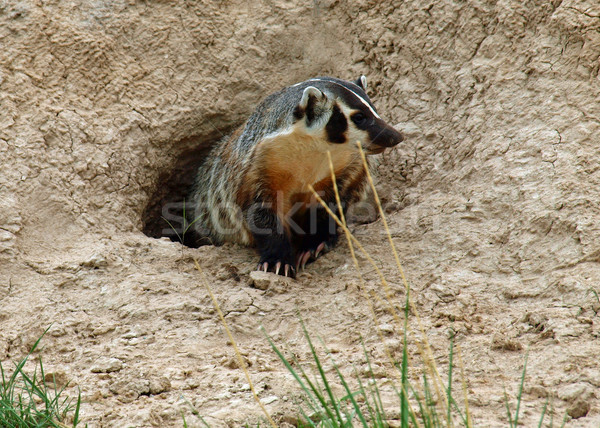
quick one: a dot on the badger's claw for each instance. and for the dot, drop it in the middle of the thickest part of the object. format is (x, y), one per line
(320, 248)
(301, 260)
(263, 267)
(288, 270)
(305, 258)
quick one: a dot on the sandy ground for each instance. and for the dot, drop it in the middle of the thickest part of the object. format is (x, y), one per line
(493, 200)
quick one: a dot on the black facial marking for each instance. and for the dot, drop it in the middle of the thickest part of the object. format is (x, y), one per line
(360, 120)
(337, 126)
(380, 133)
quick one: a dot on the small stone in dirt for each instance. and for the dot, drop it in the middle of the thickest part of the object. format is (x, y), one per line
(576, 391)
(96, 261)
(232, 362)
(107, 365)
(133, 333)
(334, 348)
(500, 341)
(58, 378)
(393, 344)
(159, 384)
(375, 371)
(268, 280)
(103, 329)
(387, 329)
(58, 331)
(228, 271)
(537, 391)
(191, 383)
(579, 408)
(269, 400)
(129, 389)
(535, 320)
(288, 420)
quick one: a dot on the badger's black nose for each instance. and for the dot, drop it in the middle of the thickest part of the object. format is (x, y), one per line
(386, 136)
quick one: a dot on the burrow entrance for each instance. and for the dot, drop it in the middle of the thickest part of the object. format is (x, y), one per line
(164, 214)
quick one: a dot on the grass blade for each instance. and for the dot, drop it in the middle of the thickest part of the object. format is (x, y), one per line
(333, 401)
(543, 414)
(376, 396)
(20, 392)
(449, 390)
(350, 395)
(520, 394)
(508, 415)
(404, 368)
(313, 394)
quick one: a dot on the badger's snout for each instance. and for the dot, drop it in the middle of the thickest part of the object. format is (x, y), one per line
(388, 137)
(384, 136)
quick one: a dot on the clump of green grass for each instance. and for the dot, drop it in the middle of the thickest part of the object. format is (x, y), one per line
(513, 420)
(184, 228)
(363, 406)
(26, 401)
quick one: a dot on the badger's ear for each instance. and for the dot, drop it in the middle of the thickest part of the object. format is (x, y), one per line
(361, 82)
(312, 103)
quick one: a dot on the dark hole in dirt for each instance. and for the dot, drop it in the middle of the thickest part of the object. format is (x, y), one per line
(164, 214)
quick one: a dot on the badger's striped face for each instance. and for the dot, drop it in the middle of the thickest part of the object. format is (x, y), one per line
(345, 117)
(332, 119)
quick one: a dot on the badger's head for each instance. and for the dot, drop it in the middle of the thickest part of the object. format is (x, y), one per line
(342, 113)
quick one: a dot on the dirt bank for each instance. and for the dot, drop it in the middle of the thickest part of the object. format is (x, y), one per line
(493, 199)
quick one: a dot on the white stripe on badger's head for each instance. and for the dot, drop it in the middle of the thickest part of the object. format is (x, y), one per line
(361, 99)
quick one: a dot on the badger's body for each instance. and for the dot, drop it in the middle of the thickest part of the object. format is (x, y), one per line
(253, 188)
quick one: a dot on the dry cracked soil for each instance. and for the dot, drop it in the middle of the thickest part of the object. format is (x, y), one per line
(492, 201)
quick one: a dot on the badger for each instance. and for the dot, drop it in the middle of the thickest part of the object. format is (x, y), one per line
(254, 186)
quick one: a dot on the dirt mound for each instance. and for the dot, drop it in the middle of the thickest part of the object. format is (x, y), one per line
(493, 199)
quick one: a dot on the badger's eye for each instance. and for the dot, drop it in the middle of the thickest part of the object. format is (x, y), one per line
(359, 118)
